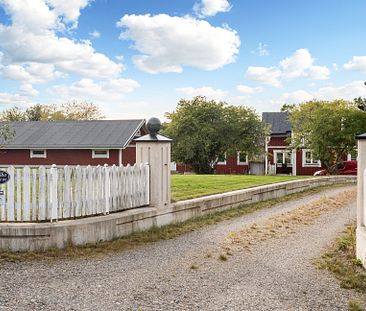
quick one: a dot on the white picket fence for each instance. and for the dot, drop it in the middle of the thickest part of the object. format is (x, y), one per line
(55, 193)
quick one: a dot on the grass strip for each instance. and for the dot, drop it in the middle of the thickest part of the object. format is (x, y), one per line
(341, 260)
(186, 187)
(154, 234)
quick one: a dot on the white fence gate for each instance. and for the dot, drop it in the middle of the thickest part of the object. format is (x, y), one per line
(52, 193)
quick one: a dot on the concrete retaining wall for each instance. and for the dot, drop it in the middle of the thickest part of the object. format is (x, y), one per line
(42, 236)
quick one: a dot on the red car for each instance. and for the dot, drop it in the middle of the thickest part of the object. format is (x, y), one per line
(345, 168)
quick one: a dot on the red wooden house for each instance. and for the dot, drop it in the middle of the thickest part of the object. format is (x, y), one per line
(280, 158)
(96, 142)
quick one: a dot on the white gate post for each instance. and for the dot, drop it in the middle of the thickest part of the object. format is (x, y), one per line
(361, 200)
(53, 192)
(154, 149)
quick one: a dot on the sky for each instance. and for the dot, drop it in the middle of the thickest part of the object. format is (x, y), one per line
(137, 59)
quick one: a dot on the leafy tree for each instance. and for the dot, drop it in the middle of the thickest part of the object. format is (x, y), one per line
(7, 133)
(203, 130)
(70, 111)
(12, 115)
(360, 103)
(327, 128)
(288, 107)
(81, 111)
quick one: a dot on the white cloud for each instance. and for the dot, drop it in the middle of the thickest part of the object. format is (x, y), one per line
(69, 10)
(296, 97)
(31, 73)
(206, 8)
(261, 50)
(168, 43)
(300, 64)
(249, 90)
(318, 73)
(209, 92)
(266, 75)
(13, 100)
(28, 90)
(347, 91)
(100, 92)
(33, 37)
(94, 34)
(297, 64)
(357, 63)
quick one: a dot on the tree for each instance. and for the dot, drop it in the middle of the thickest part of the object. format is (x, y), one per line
(203, 130)
(12, 115)
(360, 103)
(7, 133)
(81, 111)
(327, 128)
(70, 111)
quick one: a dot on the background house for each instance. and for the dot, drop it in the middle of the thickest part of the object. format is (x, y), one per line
(280, 158)
(96, 142)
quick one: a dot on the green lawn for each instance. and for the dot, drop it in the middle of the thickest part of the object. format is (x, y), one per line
(192, 186)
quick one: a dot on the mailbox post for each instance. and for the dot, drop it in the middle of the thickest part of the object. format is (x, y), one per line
(154, 149)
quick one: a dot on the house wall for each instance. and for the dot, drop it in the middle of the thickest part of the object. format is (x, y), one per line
(231, 167)
(278, 141)
(129, 155)
(307, 170)
(65, 157)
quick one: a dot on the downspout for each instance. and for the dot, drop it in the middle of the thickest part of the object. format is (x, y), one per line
(120, 157)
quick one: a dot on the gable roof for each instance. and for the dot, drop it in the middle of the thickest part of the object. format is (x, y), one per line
(112, 134)
(279, 122)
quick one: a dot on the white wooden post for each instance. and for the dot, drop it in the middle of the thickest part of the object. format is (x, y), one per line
(106, 189)
(53, 193)
(11, 201)
(155, 150)
(26, 193)
(361, 200)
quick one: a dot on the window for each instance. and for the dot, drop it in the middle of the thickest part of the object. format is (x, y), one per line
(100, 154)
(242, 158)
(282, 157)
(222, 159)
(308, 159)
(38, 153)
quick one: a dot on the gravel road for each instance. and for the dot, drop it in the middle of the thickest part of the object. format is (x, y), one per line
(186, 274)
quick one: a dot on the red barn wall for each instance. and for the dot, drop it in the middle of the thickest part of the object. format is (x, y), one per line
(129, 156)
(278, 141)
(65, 157)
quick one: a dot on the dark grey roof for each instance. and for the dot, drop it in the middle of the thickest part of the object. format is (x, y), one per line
(278, 121)
(73, 134)
(361, 136)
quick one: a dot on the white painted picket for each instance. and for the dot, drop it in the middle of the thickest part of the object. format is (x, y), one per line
(56, 193)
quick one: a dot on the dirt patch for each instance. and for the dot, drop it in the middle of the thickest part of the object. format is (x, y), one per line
(284, 224)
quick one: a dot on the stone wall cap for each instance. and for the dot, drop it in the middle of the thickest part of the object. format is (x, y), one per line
(361, 136)
(151, 138)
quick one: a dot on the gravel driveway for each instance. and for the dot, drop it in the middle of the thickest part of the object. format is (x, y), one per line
(186, 274)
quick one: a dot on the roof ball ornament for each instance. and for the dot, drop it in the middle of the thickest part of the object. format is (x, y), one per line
(154, 126)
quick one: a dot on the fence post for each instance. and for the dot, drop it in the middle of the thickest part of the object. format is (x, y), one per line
(361, 200)
(106, 189)
(154, 149)
(53, 192)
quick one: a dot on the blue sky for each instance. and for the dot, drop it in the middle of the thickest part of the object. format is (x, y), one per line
(138, 58)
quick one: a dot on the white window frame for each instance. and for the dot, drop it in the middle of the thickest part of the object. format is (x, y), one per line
(100, 156)
(238, 159)
(275, 152)
(313, 163)
(38, 156)
(222, 162)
